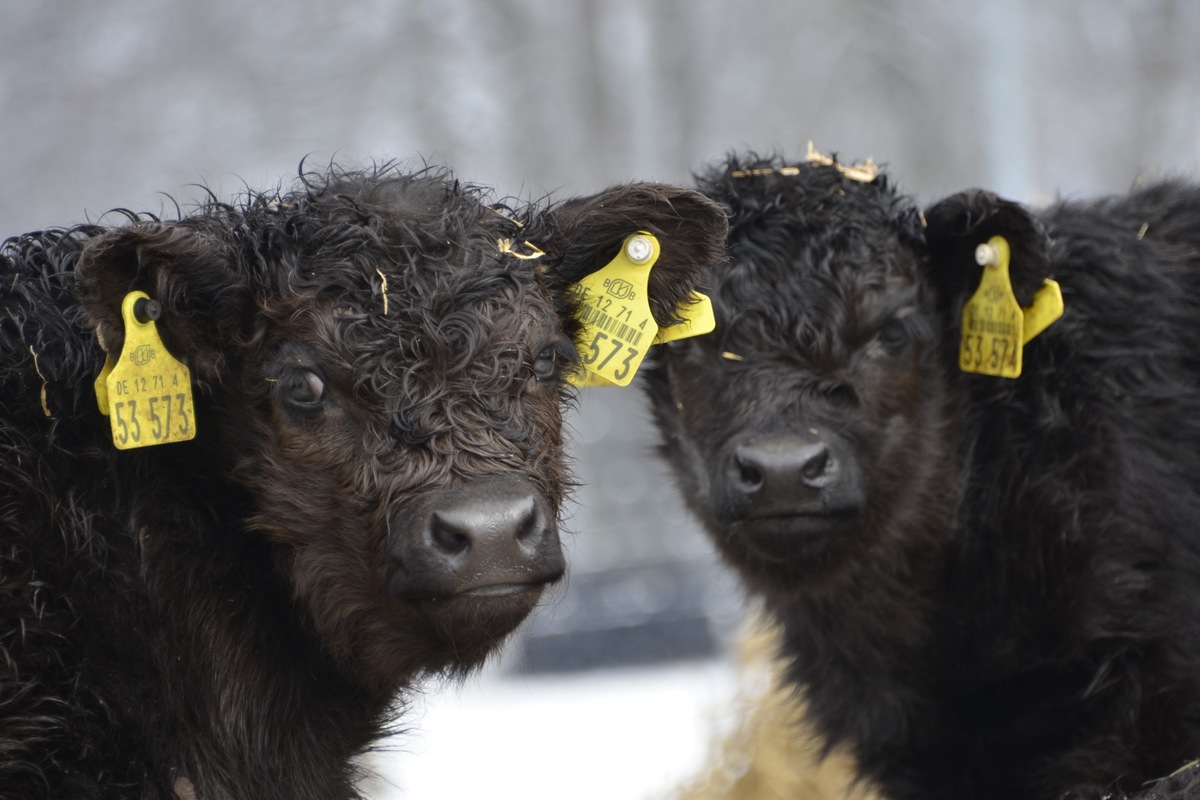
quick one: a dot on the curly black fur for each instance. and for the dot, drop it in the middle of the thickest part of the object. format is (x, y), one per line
(235, 615)
(992, 587)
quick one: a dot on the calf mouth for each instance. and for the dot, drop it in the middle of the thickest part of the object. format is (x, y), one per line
(481, 598)
(798, 537)
(502, 589)
(482, 615)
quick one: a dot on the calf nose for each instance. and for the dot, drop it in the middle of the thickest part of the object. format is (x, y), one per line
(485, 536)
(787, 475)
(505, 527)
(780, 465)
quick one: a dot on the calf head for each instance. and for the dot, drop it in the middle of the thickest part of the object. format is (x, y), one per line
(380, 365)
(813, 431)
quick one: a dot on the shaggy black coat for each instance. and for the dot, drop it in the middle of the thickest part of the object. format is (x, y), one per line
(988, 588)
(233, 616)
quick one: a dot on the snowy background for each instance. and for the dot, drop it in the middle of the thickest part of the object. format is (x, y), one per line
(615, 687)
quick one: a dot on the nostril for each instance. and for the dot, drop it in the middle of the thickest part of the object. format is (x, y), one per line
(817, 466)
(447, 538)
(751, 476)
(531, 528)
(749, 473)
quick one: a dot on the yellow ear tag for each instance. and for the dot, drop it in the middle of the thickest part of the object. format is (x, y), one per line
(101, 384)
(698, 319)
(614, 308)
(149, 391)
(992, 320)
(1046, 309)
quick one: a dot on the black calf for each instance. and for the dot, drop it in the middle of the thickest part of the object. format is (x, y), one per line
(989, 588)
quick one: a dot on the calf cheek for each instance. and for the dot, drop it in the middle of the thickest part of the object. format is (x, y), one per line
(338, 573)
(901, 435)
(306, 484)
(338, 578)
(316, 494)
(710, 407)
(542, 431)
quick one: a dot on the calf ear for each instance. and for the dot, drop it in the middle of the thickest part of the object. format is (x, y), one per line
(186, 271)
(584, 234)
(958, 224)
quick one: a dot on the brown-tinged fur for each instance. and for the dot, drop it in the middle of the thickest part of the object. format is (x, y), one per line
(235, 614)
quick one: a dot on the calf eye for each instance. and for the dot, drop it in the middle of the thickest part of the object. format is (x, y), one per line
(894, 334)
(557, 357)
(546, 364)
(303, 390)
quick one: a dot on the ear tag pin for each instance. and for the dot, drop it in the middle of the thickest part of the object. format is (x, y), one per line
(994, 326)
(149, 392)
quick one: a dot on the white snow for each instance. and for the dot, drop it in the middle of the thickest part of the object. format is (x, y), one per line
(605, 735)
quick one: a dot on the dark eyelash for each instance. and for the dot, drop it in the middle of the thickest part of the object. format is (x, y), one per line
(917, 327)
(565, 353)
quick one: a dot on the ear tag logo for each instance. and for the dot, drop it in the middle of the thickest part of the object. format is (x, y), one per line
(614, 307)
(993, 324)
(147, 391)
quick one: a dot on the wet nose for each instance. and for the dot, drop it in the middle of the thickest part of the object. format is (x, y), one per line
(788, 475)
(491, 535)
(781, 465)
(507, 526)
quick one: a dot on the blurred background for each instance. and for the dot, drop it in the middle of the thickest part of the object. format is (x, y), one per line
(614, 688)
